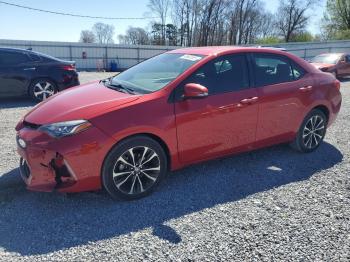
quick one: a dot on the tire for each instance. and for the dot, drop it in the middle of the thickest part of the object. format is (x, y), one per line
(122, 175)
(311, 132)
(42, 88)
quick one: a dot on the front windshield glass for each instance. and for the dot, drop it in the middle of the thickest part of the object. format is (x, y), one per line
(326, 59)
(155, 73)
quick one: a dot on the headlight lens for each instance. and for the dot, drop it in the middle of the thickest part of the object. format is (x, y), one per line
(67, 128)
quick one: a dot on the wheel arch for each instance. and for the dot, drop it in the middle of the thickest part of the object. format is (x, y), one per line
(324, 109)
(156, 138)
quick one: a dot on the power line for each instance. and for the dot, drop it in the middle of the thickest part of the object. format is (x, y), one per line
(76, 15)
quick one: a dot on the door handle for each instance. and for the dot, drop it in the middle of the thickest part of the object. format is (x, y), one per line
(29, 68)
(305, 88)
(249, 100)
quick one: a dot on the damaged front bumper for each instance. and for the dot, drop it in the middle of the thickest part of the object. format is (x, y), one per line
(69, 164)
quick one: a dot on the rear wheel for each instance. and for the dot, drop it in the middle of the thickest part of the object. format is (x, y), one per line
(312, 132)
(41, 89)
(134, 168)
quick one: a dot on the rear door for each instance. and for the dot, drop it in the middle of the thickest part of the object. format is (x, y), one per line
(284, 91)
(223, 122)
(15, 73)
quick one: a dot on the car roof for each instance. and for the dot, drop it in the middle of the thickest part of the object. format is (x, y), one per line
(218, 50)
(13, 49)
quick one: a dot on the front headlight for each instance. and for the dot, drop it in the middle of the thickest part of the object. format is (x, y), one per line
(67, 128)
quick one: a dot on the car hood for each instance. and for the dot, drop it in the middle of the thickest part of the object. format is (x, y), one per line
(81, 102)
(322, 65)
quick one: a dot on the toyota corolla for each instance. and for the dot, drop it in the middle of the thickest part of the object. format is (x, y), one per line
(175, 109)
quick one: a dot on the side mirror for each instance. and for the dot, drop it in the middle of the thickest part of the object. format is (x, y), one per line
(192, 90)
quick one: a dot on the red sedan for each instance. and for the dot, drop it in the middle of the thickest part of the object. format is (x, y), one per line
(179, 108)
(337, 64)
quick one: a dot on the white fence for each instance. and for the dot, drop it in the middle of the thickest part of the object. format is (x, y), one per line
(88, 56)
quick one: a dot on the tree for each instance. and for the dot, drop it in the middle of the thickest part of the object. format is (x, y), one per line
(135, 36)
(171, 34)
(87, 36)
(336, 21)
(292, 18)
(157, 34)
(104, 33)
(160, 8)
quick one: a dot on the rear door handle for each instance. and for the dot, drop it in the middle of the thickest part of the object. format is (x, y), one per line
(29, 69)
(249, 100)
(305, 88)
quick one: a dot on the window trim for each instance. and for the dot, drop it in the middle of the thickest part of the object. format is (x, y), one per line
(283, 57)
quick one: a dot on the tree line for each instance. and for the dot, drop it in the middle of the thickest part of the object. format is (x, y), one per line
(229, 22)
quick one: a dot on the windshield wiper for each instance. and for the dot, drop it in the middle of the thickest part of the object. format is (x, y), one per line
(119, 87)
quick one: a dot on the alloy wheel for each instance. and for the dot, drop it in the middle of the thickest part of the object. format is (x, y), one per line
(43, 90)
(136, 170)
(314, 131)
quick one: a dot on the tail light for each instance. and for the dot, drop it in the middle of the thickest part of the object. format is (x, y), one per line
(69, 67)
(337, 84)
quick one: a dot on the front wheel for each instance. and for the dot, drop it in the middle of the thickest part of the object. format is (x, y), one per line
(134, 168)
(311, 132)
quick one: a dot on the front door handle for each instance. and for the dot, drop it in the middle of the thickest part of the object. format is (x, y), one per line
(249, 100)
(305, 88)
(29, 69)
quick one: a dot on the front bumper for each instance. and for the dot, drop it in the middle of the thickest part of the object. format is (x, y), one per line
(69, 164)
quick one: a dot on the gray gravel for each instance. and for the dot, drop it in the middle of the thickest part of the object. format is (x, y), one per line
(272, 204)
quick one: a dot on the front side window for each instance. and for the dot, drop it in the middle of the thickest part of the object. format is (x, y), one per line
(12, 58)
(155, 73)
(225, 74)
(273, 69)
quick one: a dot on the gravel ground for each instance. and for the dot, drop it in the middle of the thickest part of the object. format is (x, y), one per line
(271, 204)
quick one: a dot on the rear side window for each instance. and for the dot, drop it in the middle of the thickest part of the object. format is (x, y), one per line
(34, 57)
(12, 58)
(273, 69)
(225, 74)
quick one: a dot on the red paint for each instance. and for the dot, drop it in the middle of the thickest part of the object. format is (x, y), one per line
(193, 130)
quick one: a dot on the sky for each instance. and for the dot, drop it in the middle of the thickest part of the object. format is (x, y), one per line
(21, 24)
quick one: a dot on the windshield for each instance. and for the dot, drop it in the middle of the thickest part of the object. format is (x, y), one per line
(155, 73)
(326, 59)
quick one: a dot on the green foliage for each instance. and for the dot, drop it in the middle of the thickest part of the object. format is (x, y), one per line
(343, 35)
(302, 37)
(336, 21)
(268, 40)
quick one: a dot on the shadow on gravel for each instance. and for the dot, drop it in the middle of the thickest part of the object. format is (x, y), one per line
(16, 102)
(37, 223)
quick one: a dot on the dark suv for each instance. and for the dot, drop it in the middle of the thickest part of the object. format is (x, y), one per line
(24, 72)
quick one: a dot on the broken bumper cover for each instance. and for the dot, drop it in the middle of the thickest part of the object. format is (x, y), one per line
(68, 164)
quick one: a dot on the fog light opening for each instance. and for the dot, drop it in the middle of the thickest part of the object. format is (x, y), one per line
(63, 174)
